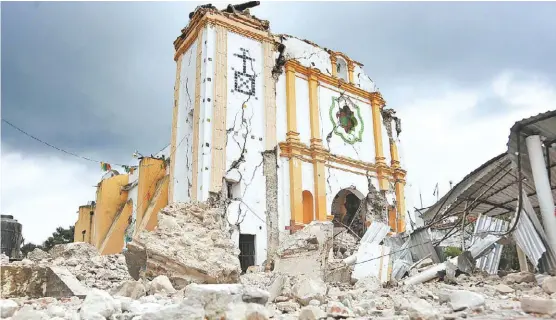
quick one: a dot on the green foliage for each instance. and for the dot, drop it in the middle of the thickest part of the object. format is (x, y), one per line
(60, 236)
(451, 252)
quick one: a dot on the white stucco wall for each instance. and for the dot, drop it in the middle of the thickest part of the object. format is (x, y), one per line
(284, 213)
(302, 110)
(308, 55)
(183, 156)
(245, 121)
(205, 113)
(281, 109)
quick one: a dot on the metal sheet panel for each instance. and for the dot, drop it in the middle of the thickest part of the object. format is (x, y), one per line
(528, 239)
(376, 232)
(487, 225)
(421, 246)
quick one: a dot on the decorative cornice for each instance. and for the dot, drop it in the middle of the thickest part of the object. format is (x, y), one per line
(333, 81)
(235, 23)
(319, 153)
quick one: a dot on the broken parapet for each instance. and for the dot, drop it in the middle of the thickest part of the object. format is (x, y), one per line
(39, 281)
(192, 244)
(306, 251)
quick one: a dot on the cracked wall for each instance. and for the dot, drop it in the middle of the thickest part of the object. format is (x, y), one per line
(183, 154)
(245, 135)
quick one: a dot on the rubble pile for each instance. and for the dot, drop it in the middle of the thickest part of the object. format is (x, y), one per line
(84, 262)
(191, 251)
(192, 244)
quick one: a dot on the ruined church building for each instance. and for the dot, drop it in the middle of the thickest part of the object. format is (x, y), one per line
(282, 131)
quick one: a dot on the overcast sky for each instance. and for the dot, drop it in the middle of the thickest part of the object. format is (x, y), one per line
(97, 79)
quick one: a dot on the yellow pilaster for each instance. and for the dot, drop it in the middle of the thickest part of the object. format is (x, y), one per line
(316, 150)
(376, 105)
(218, 166)
(296, 201)
(333, 62)
(399, 175)
(174, 126)
(196, 112)
(351, 67)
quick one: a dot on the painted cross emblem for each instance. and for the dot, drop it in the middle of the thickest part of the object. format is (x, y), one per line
(347, 121)
(243, 81)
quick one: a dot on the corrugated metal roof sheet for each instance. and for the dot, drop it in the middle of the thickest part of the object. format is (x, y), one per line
(375, 233)
(483, 226)
(420, 245)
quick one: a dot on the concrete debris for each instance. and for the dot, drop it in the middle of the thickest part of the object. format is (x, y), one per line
(549, 285)
(306, 251)
(131, 289)
(192, 244)
(520, 277)
(463, 299)
(308, 289)
(539, 305)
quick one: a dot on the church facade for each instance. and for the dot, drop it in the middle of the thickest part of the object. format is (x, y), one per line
(283, 131)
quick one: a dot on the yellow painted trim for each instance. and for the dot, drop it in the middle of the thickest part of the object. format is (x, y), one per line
(332, 80)
(159, 201)
(399, 175)
(376, 104)
(175, 123)
(296, 201)
(218, 147)
(350, 72)
(291, 149)
(150, 171)
(292, 134)
(319, 177)
(196, 112)
(333, 61)
(233, 23)
(269, 96)
(114, 240)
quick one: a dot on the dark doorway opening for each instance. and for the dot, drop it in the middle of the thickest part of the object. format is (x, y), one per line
(247, 251)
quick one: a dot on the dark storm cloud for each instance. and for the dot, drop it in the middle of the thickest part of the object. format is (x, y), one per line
(98, 77)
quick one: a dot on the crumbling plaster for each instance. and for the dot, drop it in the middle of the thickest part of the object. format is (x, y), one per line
(183, 156)
(245, 123)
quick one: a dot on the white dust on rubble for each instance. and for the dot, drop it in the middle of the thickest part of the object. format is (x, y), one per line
(84, 262)
(192, 243)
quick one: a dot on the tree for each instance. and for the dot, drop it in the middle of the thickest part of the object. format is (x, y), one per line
(60, 236)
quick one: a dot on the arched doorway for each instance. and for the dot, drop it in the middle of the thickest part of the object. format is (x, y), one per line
(348, 210)
(307, 207)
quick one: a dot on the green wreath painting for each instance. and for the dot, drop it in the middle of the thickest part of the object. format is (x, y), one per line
(347, 123)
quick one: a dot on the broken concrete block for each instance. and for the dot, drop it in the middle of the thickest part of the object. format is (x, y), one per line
(463, 299)
(203, 251)
(306, 251)
(311, 313)
(520, 277)
(130, 288)
(61, 283)
(549, 285)
(246, 311)
(308, 289)
(7, 308)
(538, 305)
(161, 284)
(38, 281)
(188, 309)
(287, 306)
(420, 309)
(29, 314)
(99, 303)
(504, 289)
(337, 309)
